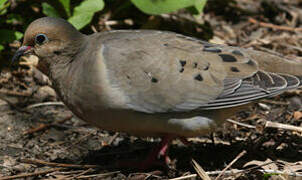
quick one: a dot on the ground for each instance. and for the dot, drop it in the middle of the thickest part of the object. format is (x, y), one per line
(42, 140)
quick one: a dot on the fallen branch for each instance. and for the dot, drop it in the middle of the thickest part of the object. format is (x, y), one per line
(236, 171)
(202, 174)
(190, 176)
(24, 175)
(45, 126)
(112, 139)
(137, 176)
(275, 102)
(81, 174)
(231, 163)
(270, 124)
(52, 164)
(273, 26)
(45, 104)
(97, 175)
(241, 124)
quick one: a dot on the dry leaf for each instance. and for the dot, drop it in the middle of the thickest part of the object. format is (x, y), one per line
(297, 115)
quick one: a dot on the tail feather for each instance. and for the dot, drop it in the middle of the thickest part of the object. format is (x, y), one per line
(261, 85)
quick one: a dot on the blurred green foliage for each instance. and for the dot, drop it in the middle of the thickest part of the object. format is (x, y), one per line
(167, 6)
(7, 35)
(82, 14)
(79, 13)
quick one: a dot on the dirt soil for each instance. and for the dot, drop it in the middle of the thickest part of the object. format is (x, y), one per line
(40, 139)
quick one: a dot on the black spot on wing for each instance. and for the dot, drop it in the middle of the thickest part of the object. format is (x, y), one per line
(57, 52)
(227, 58)
(195, 65)
(154, 80)
(237, 52)
(182, 62)
(235, 69)
(251, 62)
(198, 77)
(212, 49)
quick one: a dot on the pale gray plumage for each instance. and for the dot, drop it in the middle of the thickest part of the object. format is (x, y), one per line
(154, 83)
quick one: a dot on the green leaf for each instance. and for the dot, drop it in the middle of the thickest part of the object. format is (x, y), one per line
(164, 6)
(91, 6)
(199, 5)
(48, 10)
(4, 6)
(80, 21)
(2, 2)
(1, 47)
(14, 19)
(7, 36)
(83, 13)
(18, 35)
(66, 5)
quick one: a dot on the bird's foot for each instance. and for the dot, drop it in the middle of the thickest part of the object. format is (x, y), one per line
(157, 157)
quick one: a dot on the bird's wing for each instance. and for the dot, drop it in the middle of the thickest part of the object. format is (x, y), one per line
(167, 72)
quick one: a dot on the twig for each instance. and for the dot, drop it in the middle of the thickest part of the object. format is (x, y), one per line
(97, 175)
(185, 177)
(270, 124)
(273, 26)
(136, 176)
(112, 22)
(69, 172)
(231, 163)
(241, 124)
(255, 167)
(274, 102)
(202, 174)
(79, 140)
(93, 29)
(235, 171)
(52, 164)
(112, 138)
(280, 172)
(45, 104)
(24, 175)
(82, 173)
(45, 126)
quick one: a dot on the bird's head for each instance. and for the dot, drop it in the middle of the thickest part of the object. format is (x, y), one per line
(49, 38)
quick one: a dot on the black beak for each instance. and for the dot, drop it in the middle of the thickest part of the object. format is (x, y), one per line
(20, 52)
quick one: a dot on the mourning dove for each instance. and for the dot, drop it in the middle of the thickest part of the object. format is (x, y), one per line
(153, 83)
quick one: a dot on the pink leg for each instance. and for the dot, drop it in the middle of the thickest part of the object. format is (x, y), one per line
(157, 152)
(154, 156)
(162, 149)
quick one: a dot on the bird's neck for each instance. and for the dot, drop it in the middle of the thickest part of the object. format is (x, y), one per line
(63, 73)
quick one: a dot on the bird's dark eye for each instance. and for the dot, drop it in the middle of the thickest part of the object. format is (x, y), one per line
(40, 39)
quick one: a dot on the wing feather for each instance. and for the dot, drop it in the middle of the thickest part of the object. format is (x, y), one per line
(161, 72)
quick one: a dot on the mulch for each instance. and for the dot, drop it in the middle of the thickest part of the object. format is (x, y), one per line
(40, 139)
